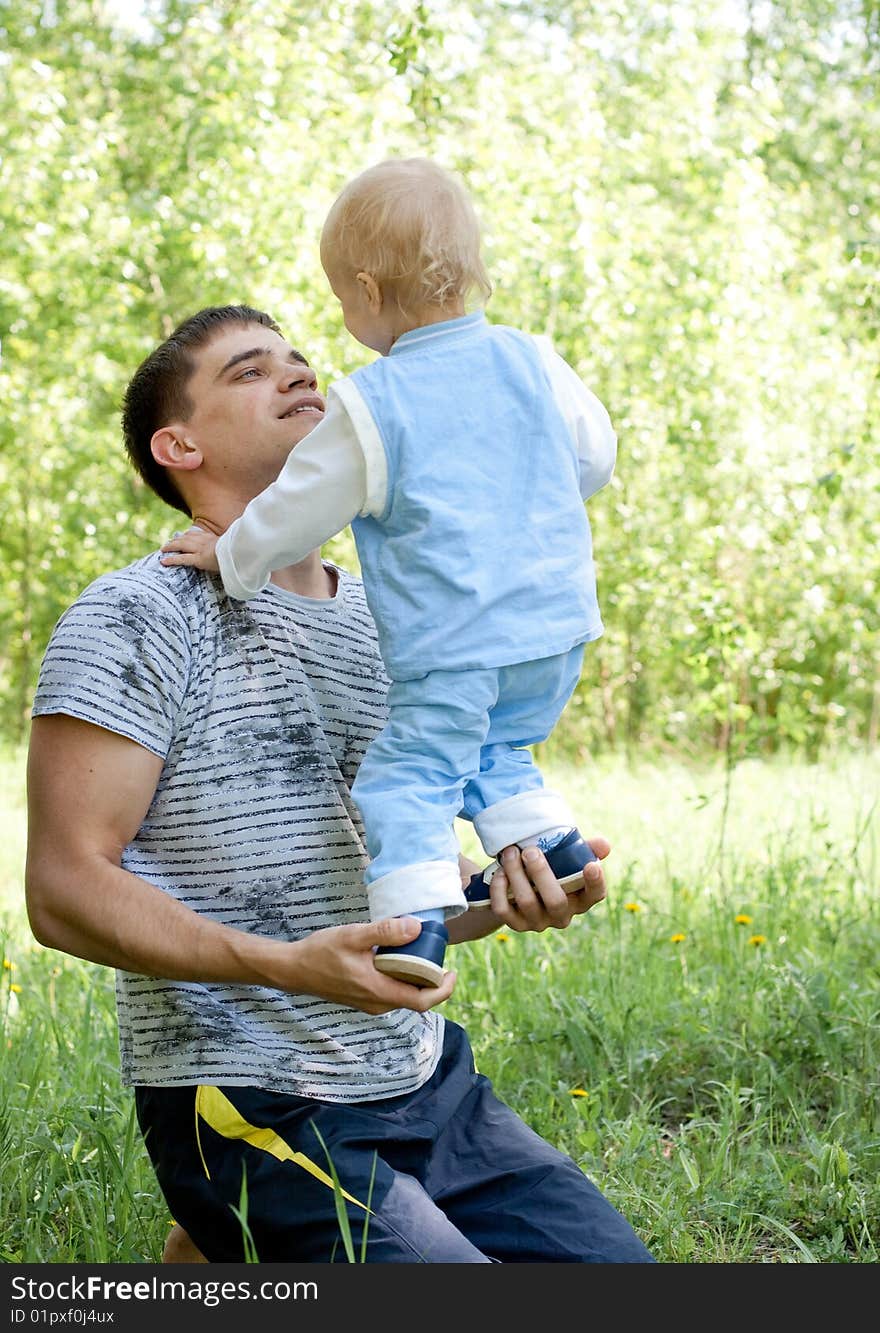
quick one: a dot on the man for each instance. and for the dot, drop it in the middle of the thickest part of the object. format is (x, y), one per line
(191, 825)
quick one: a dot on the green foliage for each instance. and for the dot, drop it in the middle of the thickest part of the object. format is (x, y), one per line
(684, 197)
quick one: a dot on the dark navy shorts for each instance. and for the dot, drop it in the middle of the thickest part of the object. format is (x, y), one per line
(446, 1174)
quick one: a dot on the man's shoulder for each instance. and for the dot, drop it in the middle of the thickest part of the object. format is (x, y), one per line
(145, 593)
(145, 581)
(120, 655)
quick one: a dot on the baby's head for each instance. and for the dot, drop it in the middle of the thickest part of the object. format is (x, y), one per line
(405, 230)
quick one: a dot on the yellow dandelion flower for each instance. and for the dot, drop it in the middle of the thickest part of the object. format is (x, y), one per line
(15, 988)
(502, 937)
(8, 964)
(757, 939)
(743, 919)
(632, 907)
(677, 939)
(578, 1092)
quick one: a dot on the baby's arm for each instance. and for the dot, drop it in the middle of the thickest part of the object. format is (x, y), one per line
(587, 420)
(320, 489)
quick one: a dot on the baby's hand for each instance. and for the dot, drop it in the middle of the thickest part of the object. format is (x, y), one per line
(194, 547)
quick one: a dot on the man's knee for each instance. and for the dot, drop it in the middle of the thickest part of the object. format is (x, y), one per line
(179, 1248)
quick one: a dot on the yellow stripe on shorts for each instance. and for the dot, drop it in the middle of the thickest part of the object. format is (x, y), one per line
(218, 1111)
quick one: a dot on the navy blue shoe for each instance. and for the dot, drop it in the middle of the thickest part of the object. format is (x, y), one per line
(421, 961)
(567, 860)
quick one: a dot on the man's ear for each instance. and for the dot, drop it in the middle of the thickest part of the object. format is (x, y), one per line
(371, 290)
(172, 448)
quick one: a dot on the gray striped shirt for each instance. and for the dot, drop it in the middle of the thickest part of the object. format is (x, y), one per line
(261, 712)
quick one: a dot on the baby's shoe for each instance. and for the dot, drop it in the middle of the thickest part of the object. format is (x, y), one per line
(421, 961)
(565, 858)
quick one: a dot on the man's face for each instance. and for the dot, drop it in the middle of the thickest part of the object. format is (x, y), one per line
(254, 398)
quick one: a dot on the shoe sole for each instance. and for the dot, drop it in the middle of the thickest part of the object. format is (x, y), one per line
(404, 967)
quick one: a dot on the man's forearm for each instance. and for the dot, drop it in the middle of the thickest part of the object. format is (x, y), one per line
(89, 792)
(129, 924)
(123, 921)
(474, 925)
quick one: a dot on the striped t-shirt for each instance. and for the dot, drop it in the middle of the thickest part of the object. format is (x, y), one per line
(261, 712)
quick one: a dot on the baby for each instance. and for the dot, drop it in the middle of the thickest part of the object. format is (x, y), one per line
(461, 457)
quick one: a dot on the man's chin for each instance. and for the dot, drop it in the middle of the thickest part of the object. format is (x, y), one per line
(303, 427)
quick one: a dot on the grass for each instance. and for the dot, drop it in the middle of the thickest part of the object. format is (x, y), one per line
(705, 1043)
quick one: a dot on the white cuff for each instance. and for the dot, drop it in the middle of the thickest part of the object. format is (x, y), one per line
(521, 816)
(417, 888)
(232, 582)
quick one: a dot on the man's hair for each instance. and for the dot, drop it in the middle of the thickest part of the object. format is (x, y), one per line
(410, 224)
(157, 392)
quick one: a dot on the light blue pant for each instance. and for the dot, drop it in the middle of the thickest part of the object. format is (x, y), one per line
(454, 746)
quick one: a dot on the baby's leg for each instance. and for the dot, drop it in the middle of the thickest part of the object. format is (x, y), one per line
(507, 800)
(409, 792)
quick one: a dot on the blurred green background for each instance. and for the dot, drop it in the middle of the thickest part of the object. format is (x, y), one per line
(684, 195)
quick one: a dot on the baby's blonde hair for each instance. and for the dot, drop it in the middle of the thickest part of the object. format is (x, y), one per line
(410, 224)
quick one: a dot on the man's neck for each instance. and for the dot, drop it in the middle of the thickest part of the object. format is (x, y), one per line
(310, 578)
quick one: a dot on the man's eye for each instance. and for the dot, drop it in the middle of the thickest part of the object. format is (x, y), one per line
(251, 370)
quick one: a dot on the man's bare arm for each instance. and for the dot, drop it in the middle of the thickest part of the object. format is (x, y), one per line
(88, 792)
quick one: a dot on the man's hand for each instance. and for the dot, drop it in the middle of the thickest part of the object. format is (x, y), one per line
(337, 964)
(193, 547)
(526, 895)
